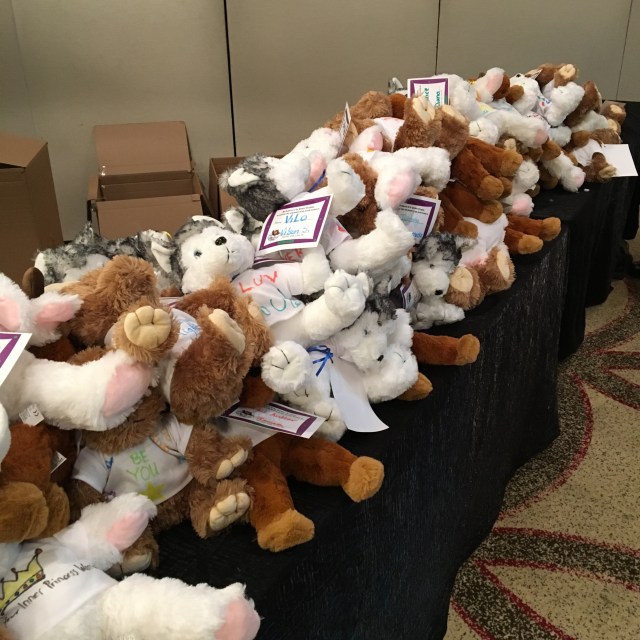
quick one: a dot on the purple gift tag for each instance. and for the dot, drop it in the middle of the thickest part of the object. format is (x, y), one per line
(435, 89)
(419, 215)
(11, 346)
(298, 224)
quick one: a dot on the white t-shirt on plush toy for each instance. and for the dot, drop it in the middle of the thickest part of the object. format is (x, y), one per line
(272, 284)
(48, 584)
(155, 468)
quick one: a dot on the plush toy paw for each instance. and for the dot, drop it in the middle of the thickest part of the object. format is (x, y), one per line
(365, 478)
(228, 466)
(147, 327)
(420, 389)
(286, 367)
(124, 531)
(345, 294)
(229, 510)
(241, 622)
(468, 350)
(229, 328)
(287, 530)
(131, 563)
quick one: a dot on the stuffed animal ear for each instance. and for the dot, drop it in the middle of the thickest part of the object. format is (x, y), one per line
(463, 243)
(10, 318)
(54, 308)
(317, 164)
(238, 220)
(237, 178)
(33, 282)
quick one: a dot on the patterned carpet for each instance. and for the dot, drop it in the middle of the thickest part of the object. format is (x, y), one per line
(563, 560)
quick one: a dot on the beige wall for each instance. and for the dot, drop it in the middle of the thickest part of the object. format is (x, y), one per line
(88, 62)
(295, 64)
(517, 36)
(66, 65)
(629, 88)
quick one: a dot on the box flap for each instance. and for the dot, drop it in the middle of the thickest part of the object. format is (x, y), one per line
(142, 147)
(18, 151)
(119, 218)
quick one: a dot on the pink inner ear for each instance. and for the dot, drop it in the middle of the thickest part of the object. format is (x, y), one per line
(55, 312)
(318, 165)
(495, 81)
(9, 315)
(399, 190)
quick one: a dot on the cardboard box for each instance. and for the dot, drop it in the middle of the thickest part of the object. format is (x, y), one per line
(28, 206)
(146, 179)
(220, 200)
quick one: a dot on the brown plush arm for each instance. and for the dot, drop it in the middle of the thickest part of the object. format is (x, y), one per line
(470, 205)
(445, 350)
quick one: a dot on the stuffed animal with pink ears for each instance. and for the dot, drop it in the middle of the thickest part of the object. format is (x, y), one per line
(97, 395)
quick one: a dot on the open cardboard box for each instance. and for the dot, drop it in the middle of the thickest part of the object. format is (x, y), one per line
(30, 219)
(146, 179)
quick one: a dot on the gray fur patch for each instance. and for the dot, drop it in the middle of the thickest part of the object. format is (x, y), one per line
(382, 306)
(261, 197)
(438, 243)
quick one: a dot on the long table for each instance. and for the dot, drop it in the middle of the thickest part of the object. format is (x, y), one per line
(385, 568)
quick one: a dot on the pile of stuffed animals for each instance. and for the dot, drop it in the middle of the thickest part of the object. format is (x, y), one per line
(139, 346)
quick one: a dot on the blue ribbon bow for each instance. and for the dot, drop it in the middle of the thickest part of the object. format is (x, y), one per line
(326, 356)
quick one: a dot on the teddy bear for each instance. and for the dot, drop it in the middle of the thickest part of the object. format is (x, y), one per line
(378, 344)
(492, 89)
(60, 390)
(56, 587)
(183, 468)
(489, 258)
(433, 261)
(206, 249)
(314, 460)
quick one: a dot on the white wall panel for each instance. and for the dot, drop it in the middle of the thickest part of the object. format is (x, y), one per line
(517, 36)
(88, 62)
(295, 64)
(629, 88)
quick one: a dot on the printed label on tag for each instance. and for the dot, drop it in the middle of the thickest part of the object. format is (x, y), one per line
(419, 215)
(435, 89)
(351, 397)
(11, 346)
(297, 224)
(57, 460)
(31, 415)
(410, 294)
(277, 417)
(344, 125)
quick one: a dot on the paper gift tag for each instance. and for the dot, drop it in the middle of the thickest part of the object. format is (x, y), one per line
(351, 396)
(435, 89)
(298, 224)
(57, 460)
(11, 346)
(277, 417)
(419, 215)
(345, 124)
(620, 157)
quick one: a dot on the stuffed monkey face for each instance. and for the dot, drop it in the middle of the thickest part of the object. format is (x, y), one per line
(212, 252)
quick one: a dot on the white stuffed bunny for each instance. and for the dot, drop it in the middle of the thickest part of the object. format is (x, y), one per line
(55, 587)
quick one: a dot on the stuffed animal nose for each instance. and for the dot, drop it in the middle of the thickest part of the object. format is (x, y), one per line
(439, 292)
(381, 358)
(221, 240)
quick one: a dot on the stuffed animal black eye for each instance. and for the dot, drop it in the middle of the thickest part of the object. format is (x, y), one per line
(366, 332)
(379, 323)
(430, 266)
(221, 240)
(197, 253)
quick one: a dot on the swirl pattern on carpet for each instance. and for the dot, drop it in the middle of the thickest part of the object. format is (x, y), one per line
(563, 559)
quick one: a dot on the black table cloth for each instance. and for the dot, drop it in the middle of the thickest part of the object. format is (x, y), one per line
(598, 217)
(385, 568)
